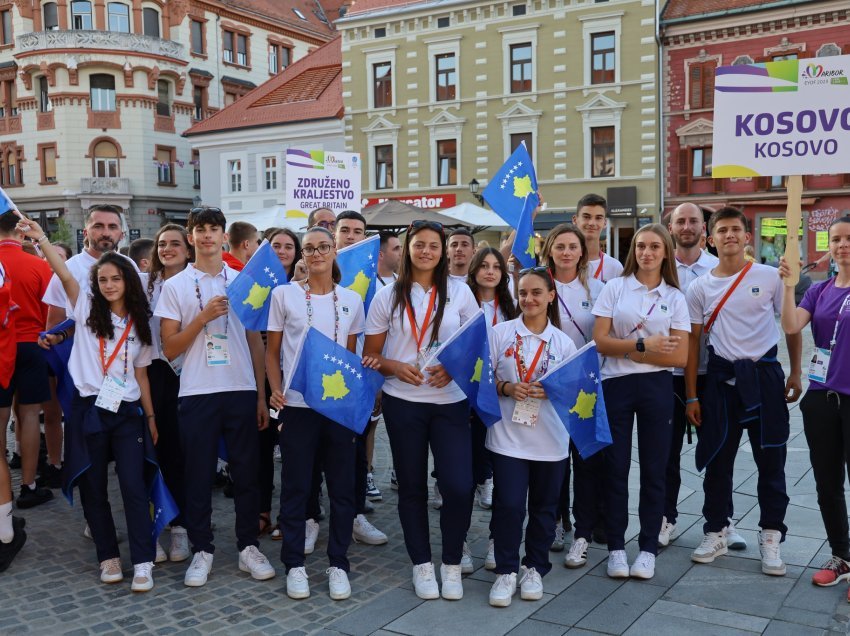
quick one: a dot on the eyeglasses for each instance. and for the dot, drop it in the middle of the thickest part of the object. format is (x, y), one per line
(328, 225)
(321, 248)
(539, 269)
(430, 225)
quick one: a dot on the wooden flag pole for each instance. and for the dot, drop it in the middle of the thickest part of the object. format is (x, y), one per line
(793, 216)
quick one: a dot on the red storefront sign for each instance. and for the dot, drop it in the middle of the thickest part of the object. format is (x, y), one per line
(424, 201)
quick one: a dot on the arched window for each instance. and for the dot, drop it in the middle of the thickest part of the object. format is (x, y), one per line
(51, 16)
(44, 104)
(102, 92)
(105, 160)
(150, 22)
(118, 17)
(81, 15)
(12, 175)
(163, 104)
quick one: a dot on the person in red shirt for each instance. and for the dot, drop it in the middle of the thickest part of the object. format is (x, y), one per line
(29, 276)
(243, 241)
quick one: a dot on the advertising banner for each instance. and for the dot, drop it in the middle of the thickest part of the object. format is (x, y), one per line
(322, 179)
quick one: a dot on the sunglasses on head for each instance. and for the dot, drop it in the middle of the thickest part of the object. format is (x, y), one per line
(203, 209)
(429, 225)
(538, 269)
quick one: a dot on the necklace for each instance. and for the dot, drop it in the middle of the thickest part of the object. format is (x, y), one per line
(309, 298)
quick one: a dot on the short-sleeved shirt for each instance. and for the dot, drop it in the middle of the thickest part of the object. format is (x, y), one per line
(687, 275)
(29, 277)
(80, 267)
(288, 315)
(611, 268)
(575, 304)
(830, 306)
(400, 345)
(179, 301)
(630, 304)
(746, 327)
(548, 440)
(490, 309)
(8, 349)
(85, 363)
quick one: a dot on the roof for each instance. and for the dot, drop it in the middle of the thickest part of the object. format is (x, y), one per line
(365, 6)
(313, 12)
(310, 89)
(688, 10)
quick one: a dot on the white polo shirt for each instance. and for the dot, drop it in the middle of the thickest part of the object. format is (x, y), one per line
(288, 315)
(548, 440)
(687, 275)
(85, 363)
(153, 299)
(461, 278)
(179, 301)
(489, 307)
(579, 302)
(80, 267)
(400, 345)
(611, 268)
(746, 327)
(629, 303)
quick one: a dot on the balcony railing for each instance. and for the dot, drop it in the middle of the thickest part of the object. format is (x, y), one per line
(104, 185)
(104, 41)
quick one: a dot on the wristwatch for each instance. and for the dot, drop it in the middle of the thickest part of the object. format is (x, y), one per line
(640, 346)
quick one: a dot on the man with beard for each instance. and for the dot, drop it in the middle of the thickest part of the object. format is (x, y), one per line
(460, 249)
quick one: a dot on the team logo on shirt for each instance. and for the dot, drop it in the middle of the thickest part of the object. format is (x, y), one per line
(585, 304)
(345, 309)
(663, 308)
(755, 291)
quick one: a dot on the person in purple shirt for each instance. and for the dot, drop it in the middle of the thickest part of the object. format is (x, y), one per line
(826, 405)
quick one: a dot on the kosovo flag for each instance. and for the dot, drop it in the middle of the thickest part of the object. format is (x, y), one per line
(334, 382)
(510, 186)
(6, 203)
(163, 507)
(57, 357)
(575, 390)
(466, 358)
(359, 266)
(250, 293)
(525, 245)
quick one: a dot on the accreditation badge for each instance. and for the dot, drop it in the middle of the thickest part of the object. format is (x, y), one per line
(526, 412)
(176, 364)
(111, 394)
(819, 366)
(216, 350)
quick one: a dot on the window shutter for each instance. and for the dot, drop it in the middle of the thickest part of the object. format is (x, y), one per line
(696, 86)
(684, 170)
(708, 84)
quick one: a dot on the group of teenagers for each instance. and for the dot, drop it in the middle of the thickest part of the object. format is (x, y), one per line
(164, 370)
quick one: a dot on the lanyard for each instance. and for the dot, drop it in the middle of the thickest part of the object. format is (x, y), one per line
(640, 325)
(201, 302)
(419, 338)
(308, 297)
(523, 373)
(598, 271)
(570, 315)
(833, 340)
(104, 363)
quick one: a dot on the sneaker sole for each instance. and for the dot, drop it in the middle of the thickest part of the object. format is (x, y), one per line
(773, 572)
(531, 596)
(618, 574)
(179, 558)
(488, 565)
(843, 577)
(368, 541)
(662, 544)
(196, 582)
(111, 580)
(145, 587)
(257, 577)
(572, 565)
(506, 602)
(643, 576)
(741, 545)
(452, 597)
(340, 597)
(308, 550)
(556, 547)
(467, 569)
(708, 558)
(427, 596)
(298, 596)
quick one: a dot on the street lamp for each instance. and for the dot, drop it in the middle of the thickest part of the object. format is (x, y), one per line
(196, 201)
(473, 190)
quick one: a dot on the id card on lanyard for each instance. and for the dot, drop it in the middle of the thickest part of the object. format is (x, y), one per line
(419, 338)
(215, 345)
(527, 411)
(819, 366)
(112, 391)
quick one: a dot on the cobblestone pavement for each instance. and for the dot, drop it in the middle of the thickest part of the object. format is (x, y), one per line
(52, 587)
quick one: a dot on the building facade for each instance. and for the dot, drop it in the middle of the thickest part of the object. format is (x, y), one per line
(95, 95)
(439, 94)
(696, 40)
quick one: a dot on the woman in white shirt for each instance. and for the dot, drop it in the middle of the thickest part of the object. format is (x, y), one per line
(529, 446)
(422, 405)
(565, 253)
(112, 411)
(641, 330)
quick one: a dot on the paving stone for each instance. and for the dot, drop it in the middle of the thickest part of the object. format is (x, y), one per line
(621, 608)
(652, 624)
(532, 627)
(577, 601)
(781, 628)
(377, 613)
(710, 616)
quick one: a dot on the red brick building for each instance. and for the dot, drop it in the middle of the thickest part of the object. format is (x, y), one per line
(696, 38)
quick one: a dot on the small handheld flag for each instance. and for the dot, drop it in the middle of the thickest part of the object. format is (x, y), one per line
(334, 381)
(250, 293)
(525, 244)
(574, 388)
(163, 506)
(359, 266)
(57, 357)
(510, 186)
(466, 358)
(7, 204)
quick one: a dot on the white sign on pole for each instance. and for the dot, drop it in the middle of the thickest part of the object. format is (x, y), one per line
(790, 117)
(322, 179)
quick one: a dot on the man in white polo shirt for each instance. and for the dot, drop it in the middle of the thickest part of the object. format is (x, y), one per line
(591, 218)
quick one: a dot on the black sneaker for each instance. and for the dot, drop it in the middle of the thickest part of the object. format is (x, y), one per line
(51, 477)
(9, 550)
(30, 498)
(15, 462)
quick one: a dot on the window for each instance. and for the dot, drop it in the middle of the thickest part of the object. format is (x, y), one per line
(602, 58)
(235, 48)
(518, 138)
(10, 171)
(447, 162)
(384, 168)
(150, 22)
(234, 171)
(51, 17)
(280, 57)
(242, 50)
(382, 78)
(199, 94)
(164, 165)
(81, 15)
(9, 96)
(701, 77)
(784, 56)
(380, 32)
(196, 169)
(118, 16)
(227, 44)
(520, 67)
(777, 182)
(443, 23)
(47, 159)
(102, 92)
(446, 65)
(701, 163)
(44, 104)
(197, 36)
(229, 98)
(163, 104)
(602, 151)
(518, 9)
(105, 159)
(6, 35)
(270, 173)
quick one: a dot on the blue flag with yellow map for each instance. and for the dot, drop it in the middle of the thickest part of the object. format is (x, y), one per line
(466, 358)
(574, 387)
(334, 382)
(359, 266)
(525, 244)
(250, 293)
(509, 187)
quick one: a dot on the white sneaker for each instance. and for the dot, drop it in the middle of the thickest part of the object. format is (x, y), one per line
(425, 582)
(503, 590)
(450, 576)
(771, 561)
(142, 577)
(490, 559)
(161, 556)
(253, 561)
(666, 534)
(338, 583)
(618, 564)
(713, 545)
(311, 534)
(484, 494)
(437, 501)
(530, 584)
(364, 532)
(179, 550)
(558, 543)
(466, 564)
(644, 566)
(199, 570)
(110, 571)
(734, 541)
(577, 556)
(297, 586)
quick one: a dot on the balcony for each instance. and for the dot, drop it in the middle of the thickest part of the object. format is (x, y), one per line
(101, 41)
(105, 185)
